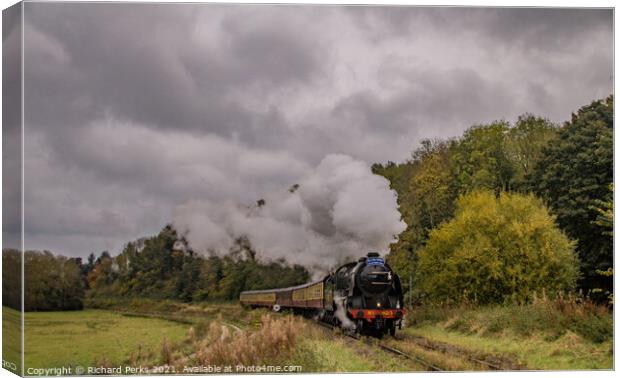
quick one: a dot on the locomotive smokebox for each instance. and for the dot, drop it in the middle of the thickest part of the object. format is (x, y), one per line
(374, 279)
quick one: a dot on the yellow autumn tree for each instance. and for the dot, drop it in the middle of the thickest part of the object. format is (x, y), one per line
(497, 249)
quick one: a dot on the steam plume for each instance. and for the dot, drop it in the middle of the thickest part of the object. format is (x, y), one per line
(338, 211)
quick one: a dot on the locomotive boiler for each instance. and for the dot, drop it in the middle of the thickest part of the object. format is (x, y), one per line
(365, 296)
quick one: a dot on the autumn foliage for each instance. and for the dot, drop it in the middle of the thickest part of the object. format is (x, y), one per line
(497, 249)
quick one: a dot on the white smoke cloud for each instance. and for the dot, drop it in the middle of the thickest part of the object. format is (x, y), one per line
(339, 211)
(341, 314)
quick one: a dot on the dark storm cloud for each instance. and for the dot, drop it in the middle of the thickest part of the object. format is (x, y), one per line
(133, 109)
(528, 28)
(544, 29)
(11, 75)
(423, 103)
(147, 64)
(11, 132)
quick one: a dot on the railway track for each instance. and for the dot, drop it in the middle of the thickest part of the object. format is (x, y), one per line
(498, 363)
(489, 365)
(410, 357)
(386, 348)
(486, 362)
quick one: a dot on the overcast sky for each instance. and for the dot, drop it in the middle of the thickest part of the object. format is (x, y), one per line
(135, 109)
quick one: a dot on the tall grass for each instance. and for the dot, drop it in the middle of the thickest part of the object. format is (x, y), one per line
(275, 338)
(213, 343)
(552, 317)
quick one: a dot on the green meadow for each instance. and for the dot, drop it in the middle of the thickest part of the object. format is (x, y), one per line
(11, 338)
(72, 338)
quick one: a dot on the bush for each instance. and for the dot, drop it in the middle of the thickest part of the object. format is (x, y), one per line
(429, 314)
(594, 328)
(496, 249)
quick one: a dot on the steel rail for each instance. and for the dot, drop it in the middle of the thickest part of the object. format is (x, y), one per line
(386, 348)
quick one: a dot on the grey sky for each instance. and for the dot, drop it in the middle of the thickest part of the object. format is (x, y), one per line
(134, 109)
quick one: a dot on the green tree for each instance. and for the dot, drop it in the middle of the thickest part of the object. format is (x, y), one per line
(90, 264)
(525, 143)
(426, 193)
(432, 186)
(103, 273)
(496, 249)
(12, 278)
(165, 267)
(480, 158)
(52, 282)
(605, 221)
(605, 212)
(572, 175)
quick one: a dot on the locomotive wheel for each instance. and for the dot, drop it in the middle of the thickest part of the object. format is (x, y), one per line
(392, 330)
(276, 308)
(359, 329)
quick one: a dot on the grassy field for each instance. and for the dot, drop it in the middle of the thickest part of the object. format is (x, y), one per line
(11, 338)
(191, 335)
(180, 335)
(88, 337)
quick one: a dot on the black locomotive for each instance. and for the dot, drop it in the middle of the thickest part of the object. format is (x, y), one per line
(365, 296)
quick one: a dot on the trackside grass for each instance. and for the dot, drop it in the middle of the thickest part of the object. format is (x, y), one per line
(569, 352)
(324, 351)
(560, 333)
(267, 339)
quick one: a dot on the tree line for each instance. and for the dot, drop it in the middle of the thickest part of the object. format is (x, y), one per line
(160, 267)
(557, 175)
(51, 282)
(164, 267)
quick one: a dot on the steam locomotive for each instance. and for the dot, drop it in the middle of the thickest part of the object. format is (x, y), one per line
(364, 296)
